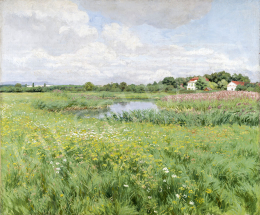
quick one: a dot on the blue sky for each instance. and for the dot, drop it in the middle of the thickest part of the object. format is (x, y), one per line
(72, 42)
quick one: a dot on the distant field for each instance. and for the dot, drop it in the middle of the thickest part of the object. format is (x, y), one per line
(56, 163)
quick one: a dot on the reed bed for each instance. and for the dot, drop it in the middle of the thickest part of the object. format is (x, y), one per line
(213, 118)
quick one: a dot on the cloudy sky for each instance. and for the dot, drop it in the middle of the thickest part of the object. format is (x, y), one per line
(137, 41)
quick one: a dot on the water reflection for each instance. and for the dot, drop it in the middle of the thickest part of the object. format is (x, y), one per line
(118, 108)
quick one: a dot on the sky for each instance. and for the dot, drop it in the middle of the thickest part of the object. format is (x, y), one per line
(136, 41)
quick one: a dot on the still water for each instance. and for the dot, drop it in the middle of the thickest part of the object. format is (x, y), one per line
(117, 107)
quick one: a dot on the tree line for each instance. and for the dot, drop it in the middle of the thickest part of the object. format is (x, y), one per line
(217, 81)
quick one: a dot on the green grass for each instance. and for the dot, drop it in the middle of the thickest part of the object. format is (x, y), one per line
(64, 101)
(210, 118)
(58, 164)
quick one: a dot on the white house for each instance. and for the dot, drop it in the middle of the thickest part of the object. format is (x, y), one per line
(191, 83)
(233, 84)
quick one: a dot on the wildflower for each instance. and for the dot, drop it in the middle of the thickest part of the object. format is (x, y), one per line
(174, 176)
(61, 195)
(164, 180)
(58, 169)
(125, 185)
(64, 160)
(57, 163)
(208, 191)
(149, 197)
(191, 203)
(165, 169)
(178, 196)
(57, 172)
(51, 162)
(184, 185)
(185, 196)
(155, 212)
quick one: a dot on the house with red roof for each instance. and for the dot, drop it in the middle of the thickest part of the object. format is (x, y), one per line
(233, 84)
(191, 83)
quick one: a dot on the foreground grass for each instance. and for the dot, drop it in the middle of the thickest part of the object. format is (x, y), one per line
(58, 164)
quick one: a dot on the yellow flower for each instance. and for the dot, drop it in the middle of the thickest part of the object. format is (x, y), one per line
(61, 195)
(208, 191)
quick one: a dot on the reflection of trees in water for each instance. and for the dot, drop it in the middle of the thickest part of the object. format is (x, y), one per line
(92, 113)
(117, 108)
(98, 111)
(123, 103)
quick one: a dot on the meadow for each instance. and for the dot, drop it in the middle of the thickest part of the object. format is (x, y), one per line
(57, 163)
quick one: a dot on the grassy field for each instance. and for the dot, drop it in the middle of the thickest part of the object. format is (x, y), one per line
(56, 163)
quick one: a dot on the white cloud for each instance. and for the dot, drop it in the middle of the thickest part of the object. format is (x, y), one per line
(161, 14)
(53, 41)
(119, 37)
(56, 26)
(59, 9)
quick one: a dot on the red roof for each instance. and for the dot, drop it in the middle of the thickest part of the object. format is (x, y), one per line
(196, 78)
(239, 82)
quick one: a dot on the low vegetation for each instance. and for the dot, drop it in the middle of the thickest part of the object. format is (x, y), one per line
(58, 101)
(56, 163)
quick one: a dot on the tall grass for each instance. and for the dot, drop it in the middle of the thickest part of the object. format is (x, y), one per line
(57, 164)
(214, 117)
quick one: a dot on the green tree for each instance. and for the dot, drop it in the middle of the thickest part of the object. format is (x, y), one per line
(32, 84)
(213, 85)
(201, 83)
(169, 88)
(240, 77)
(128, 89)
(44, 85)
(169, 81)
(18, 85)
(250, 89)
(122, 86)
(219, 76)
(106, 87)
(240, 88)
(155, 83)
(208, 77)
(180, 81)
(88, 86)
(222, 84)
(257, 88)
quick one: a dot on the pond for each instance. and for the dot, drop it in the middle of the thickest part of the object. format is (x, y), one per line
(117, 107)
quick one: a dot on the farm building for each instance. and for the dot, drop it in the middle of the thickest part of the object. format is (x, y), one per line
(207, 89)
(191, 83)
(233, 84)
